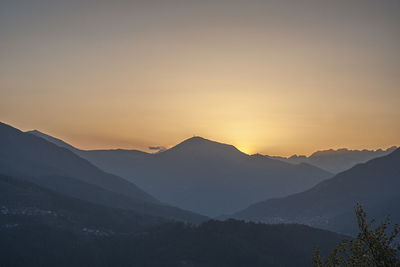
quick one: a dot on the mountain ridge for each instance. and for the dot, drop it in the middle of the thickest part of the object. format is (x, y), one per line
(35, 159)
(198, 167)
(327, 204)
(336, 160)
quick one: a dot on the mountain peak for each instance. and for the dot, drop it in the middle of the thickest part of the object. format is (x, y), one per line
(200, 141)
(203, 141)
(196, 139)
(342, 151)
(34, 132)
(197, 145)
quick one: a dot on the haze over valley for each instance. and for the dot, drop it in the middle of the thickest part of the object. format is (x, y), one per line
(199, 133)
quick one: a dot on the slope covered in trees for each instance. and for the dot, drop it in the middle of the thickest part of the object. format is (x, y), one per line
(39, 227)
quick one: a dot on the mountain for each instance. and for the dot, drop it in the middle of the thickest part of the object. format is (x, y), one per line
(336, 161)
(329, 204)
(39, 227)
(21, 201)
(53, 140)
(204, 176)
(34, 159)
(24, 154)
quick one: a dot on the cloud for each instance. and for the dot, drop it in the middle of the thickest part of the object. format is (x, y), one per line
(158, 148)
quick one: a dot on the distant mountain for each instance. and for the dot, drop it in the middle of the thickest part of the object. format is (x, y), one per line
(336, 161)
(53, 140)
(204, 176)
(34, 159)
(329, 204)
(116, 161)
(39, 227)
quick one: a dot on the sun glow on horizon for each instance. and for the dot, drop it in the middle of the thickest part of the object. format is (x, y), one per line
(268, 77)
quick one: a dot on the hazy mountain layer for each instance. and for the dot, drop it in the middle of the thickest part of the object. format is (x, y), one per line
(29, 157)
(329, 204)
(204, 176)
(336, 161)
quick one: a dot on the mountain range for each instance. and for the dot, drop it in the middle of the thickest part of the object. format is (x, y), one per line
(57, 209)
(40, 227)
(34, 159)
(339, 160)
(203, 176)
(328, 205)
(62, 206)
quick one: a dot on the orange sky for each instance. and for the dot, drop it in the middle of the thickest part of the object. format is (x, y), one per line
(275, 78)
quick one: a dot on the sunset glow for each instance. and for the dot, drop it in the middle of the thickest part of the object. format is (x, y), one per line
(271, 78)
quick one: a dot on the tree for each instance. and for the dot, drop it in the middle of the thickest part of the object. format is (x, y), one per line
(371, 247)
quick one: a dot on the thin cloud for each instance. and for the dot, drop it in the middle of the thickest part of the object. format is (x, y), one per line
(158, 148)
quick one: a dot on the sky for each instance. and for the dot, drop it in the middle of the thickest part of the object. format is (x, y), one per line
(270, 77)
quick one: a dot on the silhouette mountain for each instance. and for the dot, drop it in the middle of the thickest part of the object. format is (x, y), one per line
(329, 204)
(34, 159)
(336, 161)
(53, 140)
(39, 227)
(204, 148)
(116, 161)
(204, 176)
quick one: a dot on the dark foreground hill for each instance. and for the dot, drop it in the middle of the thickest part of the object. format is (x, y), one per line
(204, 176)
(22, 201)
(39, 227)
(329, 204)
(34, 159)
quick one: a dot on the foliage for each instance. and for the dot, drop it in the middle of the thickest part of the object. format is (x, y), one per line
(371, 247)
(214, 243)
